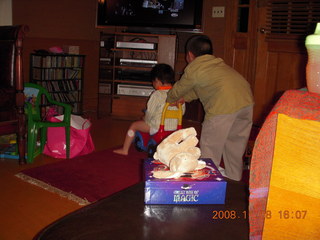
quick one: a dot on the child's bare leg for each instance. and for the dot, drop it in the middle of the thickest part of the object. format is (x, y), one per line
(135, 126)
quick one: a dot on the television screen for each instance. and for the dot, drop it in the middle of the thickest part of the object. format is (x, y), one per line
(178, 14)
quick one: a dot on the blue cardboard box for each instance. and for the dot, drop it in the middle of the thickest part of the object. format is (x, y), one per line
(205, 186)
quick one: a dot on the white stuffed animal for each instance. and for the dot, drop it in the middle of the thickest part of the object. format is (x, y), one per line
(179, 152)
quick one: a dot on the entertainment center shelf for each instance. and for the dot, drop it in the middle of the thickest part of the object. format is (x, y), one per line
(126, 60)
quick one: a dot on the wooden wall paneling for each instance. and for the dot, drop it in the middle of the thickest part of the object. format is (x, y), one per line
(273, 66)
(180, 65)
(285, 70)
(287, 77)
(167, 54)
(104, 106)
(127, 108)
(290, 67)
(214, 27)
(63, 20)
(239, 62)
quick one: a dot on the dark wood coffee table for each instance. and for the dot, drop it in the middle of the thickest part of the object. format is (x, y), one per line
(125, 216)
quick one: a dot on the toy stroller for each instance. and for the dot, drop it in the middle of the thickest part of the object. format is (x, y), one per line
(145, 142)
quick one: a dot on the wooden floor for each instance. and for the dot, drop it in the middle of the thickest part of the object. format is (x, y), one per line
(26, 209)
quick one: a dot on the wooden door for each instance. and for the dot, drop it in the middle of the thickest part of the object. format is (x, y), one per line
(240, 37)
(271, 53)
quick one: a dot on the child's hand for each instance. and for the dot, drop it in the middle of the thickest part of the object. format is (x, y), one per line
(180, 101)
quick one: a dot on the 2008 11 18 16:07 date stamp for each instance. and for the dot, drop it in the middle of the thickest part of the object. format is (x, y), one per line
(281, 214)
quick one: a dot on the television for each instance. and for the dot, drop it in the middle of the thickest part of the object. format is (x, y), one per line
(184, 15)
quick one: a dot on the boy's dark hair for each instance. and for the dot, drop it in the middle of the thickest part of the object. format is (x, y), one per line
(199, 45)
(163, 72)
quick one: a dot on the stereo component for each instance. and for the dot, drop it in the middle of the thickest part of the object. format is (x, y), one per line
(134, 90)
(136, 45)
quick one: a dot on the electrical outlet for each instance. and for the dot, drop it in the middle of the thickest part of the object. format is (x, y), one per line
(217, 12)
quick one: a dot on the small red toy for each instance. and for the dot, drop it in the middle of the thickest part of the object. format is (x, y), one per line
(145, 142)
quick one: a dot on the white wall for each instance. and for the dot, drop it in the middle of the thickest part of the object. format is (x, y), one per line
(5, 12)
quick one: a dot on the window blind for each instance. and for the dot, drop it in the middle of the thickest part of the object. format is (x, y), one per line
(291, 18)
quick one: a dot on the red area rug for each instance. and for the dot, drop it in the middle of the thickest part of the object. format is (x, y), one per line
(88, 178)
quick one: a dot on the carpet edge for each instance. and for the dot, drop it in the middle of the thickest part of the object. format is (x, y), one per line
(48, 187)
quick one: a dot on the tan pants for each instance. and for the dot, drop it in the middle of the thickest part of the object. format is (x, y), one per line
(227, 136)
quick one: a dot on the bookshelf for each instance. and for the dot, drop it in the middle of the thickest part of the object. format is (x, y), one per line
(61, 75)
(124, 70)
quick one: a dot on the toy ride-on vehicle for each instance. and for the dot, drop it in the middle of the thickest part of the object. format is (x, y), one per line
(145, 142)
